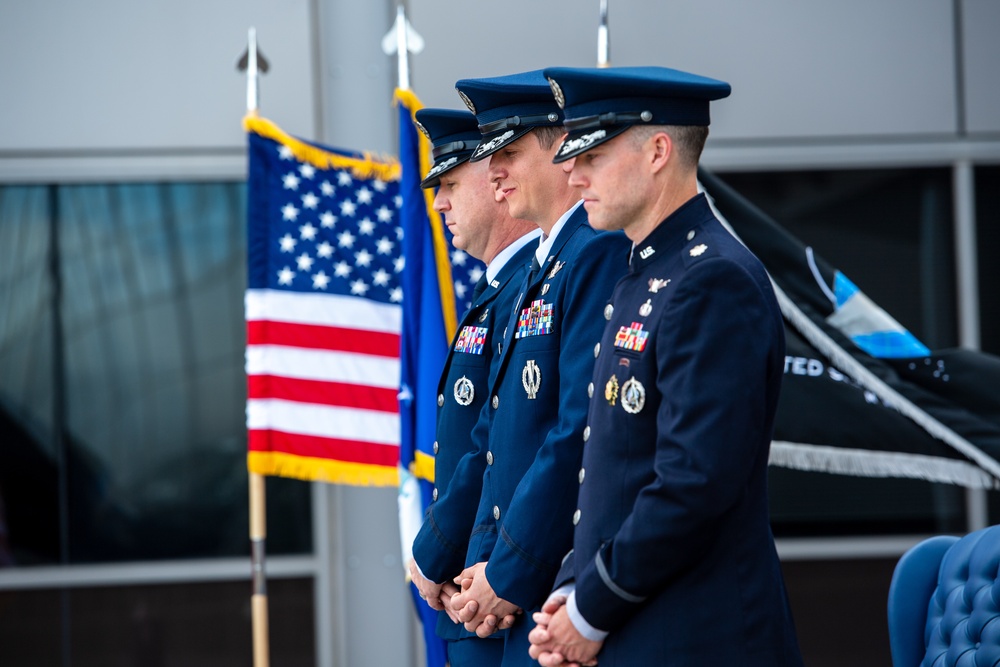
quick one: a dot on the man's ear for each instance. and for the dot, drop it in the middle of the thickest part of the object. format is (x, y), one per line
(662, 150)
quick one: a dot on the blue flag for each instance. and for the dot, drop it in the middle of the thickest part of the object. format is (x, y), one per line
(437, 284)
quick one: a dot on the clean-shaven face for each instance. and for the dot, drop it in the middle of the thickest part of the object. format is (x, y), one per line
(465, 200)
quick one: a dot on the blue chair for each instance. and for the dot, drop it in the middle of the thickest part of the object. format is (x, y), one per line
(944, 602)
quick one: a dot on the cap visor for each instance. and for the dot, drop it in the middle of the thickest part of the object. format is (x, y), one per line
(581, 142)
(488, 147)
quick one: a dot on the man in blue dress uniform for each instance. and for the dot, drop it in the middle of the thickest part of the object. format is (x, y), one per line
(484, 228)
(674, 561)
(538, 401)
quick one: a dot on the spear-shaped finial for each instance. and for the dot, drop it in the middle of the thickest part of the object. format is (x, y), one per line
(254, 64)
(603, 48)
(402, 40)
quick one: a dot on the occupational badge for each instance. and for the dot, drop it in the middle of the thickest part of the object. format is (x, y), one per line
(698, 250)
(656, 284)
(486, 312)
(531, 378)
(545, 289)
(464, 391)
(611, 390)
(646, 308)
(556, 268)
(633, 396)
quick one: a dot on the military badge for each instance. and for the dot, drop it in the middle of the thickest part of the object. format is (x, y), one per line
(555, 269)
(471, 339)
(646, 252)
(656, 284)
(580, 143)
(464, 391)
(557, 93)
(442, 166)
(535, 320)
(646, 308)
(611, 390)
(633, 396)
(631, 338)
(467, 101)
(492, 143)
(545, 289)
(698, 250)
(486, 313)
(531, 378)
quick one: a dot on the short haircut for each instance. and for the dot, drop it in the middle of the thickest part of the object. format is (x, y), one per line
(548, 134)
(689, 140)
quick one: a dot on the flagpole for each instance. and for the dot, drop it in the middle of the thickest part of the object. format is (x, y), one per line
(603, 46)
(402, 49)
(258, 503)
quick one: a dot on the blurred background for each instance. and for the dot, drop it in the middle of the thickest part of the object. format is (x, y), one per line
(870, 129)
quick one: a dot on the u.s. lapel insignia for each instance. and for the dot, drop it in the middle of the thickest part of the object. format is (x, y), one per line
(486, 312)
(646, 252)
(633, 396)
(646, 308)
(495, 284)
(545, 289)
(656, 284)
(531, 378)
(698, 250)
(611, 390)
(555, 269)
(464, 391)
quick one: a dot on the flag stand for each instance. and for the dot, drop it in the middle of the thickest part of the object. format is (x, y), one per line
(258, 503)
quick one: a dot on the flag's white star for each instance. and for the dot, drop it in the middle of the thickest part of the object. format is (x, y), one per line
(287, 243)
(285, 276)
(285, 153)
(458, 257)
(384, 214)
(324, 250)
(309, 200)
(384, 246)
(459, 289)
(291, 181)
(320, 280)
(366, 227)
(343, 178)
(308, 232)
(327, 220)
(364, 196)
(359, 287)
(380, 278)
(398, 201)
(342, 269)
(398, 264)
(307, 171)
(347, 207)
(396, 295)
(399, 233)
(326, 187)
(363, 258)
(379, 184)
(289, 212)
(304, 261)
(345, 240)
(475, 274)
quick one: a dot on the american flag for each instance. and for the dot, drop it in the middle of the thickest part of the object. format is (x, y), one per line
(323, 310)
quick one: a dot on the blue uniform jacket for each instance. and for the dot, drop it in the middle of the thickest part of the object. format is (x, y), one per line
(536, 413)
(673, 551)
(462, 392)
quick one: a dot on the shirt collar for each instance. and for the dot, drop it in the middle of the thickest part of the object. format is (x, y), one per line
(546, 242)
(494, 267)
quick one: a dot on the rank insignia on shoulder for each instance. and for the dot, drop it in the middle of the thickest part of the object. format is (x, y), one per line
(486, 312)
(646, 308)
(646, 252)
(535, 320)
(698, 250)
(531, 378)
(656, 284)
(472, 339)
(556, 268)
(631, 337)
(611, 390)
(633, 396)
(465, 392)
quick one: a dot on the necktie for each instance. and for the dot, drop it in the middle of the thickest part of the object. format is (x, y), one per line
(533, 272)
(478, 290)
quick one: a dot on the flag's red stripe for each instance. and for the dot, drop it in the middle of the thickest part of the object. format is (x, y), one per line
(265, 332)
(323, 448)
(322, 392)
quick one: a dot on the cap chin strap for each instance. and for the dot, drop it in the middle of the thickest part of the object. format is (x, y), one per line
(605, 119)
(517, 121)
(453, 147)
